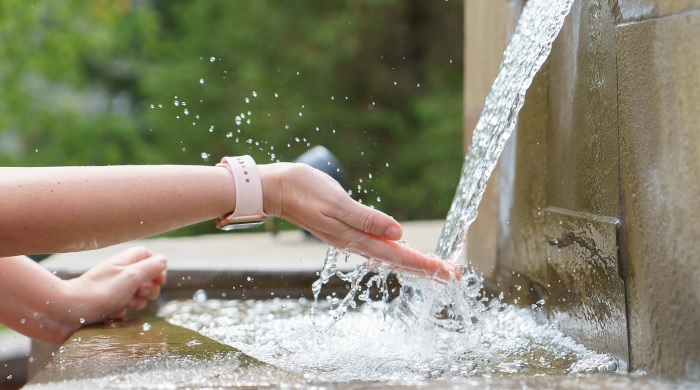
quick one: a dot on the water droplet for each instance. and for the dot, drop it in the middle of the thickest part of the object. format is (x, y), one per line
(82, 320)
(205, 156)
(201, 81)
(212, 59)
(199, 296)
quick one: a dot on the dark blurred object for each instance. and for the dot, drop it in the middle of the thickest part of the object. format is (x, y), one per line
(322, 159)
(38, 258)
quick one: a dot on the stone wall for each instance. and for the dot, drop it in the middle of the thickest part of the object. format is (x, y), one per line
(658, 61)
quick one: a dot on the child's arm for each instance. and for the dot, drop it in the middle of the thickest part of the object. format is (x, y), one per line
(40, 305)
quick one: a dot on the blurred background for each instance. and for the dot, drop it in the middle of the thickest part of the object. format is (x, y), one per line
(377, 82)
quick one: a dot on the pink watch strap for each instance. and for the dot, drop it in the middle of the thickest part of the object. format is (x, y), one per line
(249, 195)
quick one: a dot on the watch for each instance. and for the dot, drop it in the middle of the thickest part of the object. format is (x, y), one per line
(249, 196)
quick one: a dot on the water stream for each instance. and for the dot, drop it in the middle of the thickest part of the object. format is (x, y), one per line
(527, 50)
(434, 329)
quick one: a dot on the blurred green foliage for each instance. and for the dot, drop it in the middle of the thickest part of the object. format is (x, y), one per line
(378, 82)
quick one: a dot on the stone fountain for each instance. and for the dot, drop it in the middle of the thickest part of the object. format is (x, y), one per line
(594, 208)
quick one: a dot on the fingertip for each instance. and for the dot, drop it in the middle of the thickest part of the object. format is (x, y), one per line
(160, 262)
(452, 271)
(160, 258)
(161, 278)
(155, 293)
(459, 271)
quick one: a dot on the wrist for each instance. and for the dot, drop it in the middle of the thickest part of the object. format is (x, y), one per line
(271, 176)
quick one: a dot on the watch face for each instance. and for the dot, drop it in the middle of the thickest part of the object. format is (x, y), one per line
(242, 225)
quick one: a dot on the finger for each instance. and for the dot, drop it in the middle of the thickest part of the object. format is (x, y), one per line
(136, 303)
(405, 257)
(143, 272)
(368, 220)
(161, 278)
(130, 255)
(148, 291)
(402, 256)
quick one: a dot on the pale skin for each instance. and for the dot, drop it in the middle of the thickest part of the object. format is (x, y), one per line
(66, 209)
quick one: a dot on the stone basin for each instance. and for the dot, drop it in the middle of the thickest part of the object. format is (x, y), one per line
(148, 352)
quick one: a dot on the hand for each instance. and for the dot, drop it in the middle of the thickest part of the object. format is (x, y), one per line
(125, 281)
(315, 202)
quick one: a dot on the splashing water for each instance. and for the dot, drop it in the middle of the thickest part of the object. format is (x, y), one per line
(434, 329)
(366, 346)
(457, 302)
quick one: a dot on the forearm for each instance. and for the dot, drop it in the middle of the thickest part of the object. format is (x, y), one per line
(49, 210)
(33, 299)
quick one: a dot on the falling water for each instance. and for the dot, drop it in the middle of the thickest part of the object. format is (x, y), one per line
(529, 47)
(434, 329)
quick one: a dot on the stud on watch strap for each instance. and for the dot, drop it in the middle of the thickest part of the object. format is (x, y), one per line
(249, 196)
